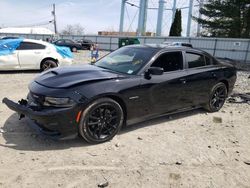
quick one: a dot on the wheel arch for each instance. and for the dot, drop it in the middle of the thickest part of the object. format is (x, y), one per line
(226, 83)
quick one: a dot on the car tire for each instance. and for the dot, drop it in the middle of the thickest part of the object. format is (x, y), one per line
(101, 120)
(48, 64)
(217, 97)
(73, 49)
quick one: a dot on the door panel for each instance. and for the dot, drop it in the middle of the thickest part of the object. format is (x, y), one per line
(9, 62)
(166, 92)
(201, 77)
(199, 83)
(30, 59)
(30, 55)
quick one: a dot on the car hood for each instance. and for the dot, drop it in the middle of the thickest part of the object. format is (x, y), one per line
(65, 77)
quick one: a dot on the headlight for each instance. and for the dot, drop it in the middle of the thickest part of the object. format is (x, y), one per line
(58, 102)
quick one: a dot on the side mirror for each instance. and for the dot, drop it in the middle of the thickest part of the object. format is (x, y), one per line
(153, 71)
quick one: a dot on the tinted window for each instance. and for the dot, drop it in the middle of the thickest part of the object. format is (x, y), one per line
(208, 60)
(214, 61)
(195, 60)
(86, 41)
(170, 61)
(59, 42)
(69, 41)
(30, 46)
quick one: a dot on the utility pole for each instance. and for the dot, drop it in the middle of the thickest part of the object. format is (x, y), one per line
(54, 17)
(122, 16)
(199, 25)
(189, 17)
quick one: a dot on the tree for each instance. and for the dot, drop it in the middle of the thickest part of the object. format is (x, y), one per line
(176, 28)
(225, 18)
(75, 29)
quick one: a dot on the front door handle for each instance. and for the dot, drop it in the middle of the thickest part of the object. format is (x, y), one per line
(183, 80)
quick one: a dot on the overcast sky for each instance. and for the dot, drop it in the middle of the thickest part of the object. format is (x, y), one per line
(93, 15)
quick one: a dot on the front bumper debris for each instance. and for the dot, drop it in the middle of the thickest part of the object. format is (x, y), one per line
(54, 122)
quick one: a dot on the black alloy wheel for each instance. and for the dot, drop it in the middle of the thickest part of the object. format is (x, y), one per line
(217, 98)
(101, 121)
(48, 64)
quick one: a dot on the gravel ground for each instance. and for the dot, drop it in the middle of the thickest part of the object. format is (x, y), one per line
(191, 149)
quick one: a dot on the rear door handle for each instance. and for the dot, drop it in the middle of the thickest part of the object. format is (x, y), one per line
(214, 74)
(183, 80)
(37, 52)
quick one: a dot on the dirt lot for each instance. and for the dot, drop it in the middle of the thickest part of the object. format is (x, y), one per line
(191, 149)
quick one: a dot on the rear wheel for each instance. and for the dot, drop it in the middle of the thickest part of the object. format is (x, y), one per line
(101, 121)
(48, 64)
(217, 97)
(74, 49)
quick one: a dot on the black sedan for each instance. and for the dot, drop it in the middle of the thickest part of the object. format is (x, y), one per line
(74, 46)
(131, 84)
(86, 44)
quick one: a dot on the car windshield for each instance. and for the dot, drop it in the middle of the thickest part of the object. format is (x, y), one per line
(128, 60)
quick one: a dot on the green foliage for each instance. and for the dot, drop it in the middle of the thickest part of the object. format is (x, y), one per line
(176, 28)
(226, 18)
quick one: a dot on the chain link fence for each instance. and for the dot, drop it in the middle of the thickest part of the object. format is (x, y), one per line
(230, 48)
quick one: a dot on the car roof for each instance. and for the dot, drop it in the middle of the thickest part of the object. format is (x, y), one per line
(37, 41)
(163, 47)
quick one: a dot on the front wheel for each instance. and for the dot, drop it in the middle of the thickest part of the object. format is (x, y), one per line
(217, 97)
(101, 121)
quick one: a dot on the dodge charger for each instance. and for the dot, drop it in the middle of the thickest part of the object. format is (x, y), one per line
(132, 84)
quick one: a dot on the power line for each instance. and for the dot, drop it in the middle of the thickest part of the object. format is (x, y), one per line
(133, 20)
(34, 24)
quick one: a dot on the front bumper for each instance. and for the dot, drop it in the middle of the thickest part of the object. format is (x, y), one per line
(53, 122)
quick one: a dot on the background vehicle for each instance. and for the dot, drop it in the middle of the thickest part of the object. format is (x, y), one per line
(11, 37)
(74, 46)
(86, 44)
(33, 55)
(129, 85)
(127, 41)
(178, 44)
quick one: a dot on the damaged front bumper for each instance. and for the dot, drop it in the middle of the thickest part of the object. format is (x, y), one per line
(54, 122)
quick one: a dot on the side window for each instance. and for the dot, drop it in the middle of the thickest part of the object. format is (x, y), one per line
(68, 41)
(30, 46)
(214, 61)
(195, 60)
(170, 61)
(59, 41)
(208, 60)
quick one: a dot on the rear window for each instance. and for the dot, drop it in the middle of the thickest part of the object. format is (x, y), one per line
(208, 60)
(195, 60)
(69, 41)
(30, 46)
(59, 42)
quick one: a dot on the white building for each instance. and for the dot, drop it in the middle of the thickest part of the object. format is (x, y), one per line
(27, 30)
